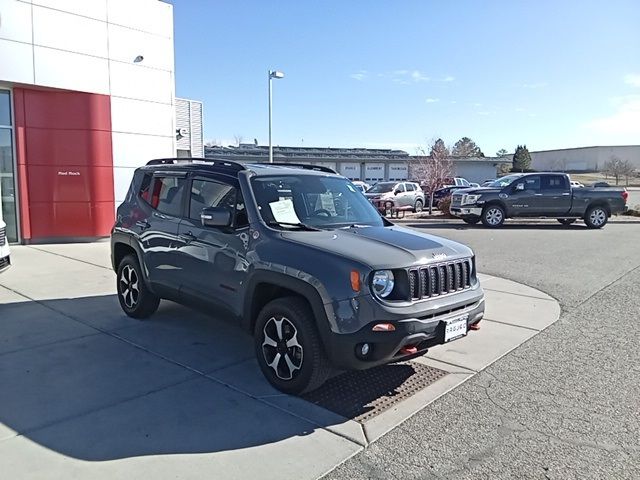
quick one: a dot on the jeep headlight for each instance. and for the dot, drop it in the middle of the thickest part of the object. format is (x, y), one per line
(470, 199)
(382, 283)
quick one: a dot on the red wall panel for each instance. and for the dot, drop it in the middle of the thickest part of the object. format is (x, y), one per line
(65, 163)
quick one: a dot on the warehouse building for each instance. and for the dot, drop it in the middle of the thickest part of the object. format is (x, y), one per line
(583, 159)
(370, 165)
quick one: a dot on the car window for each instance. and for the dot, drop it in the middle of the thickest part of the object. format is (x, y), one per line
(145, 187)
(530, 183)
(167, 195)
(464, 182)
(208, 193)
(410, 187)
(554, 182)
(399, 187)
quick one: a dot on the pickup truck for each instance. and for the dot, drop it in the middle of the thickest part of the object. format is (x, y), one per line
(547, 195)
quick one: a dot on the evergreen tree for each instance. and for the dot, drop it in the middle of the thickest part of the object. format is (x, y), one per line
(521, 159)
(465, 147)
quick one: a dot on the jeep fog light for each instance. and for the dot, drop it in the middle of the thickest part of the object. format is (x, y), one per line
(382, 283)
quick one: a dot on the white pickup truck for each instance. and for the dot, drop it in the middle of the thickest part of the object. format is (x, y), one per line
(5, 261)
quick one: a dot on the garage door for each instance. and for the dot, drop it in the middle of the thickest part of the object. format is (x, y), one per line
(374, 172)
(398, 171)
(350, 170)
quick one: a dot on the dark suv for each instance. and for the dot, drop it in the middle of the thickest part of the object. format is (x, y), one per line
(299, 257)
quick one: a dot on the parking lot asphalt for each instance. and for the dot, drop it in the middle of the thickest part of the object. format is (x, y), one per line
(565, 404)
(87, 392)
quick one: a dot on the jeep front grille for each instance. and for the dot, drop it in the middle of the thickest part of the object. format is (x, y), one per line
(440, 279)
(3, 236)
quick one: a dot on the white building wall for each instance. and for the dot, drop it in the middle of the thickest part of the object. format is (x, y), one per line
(588, 158)
(91, 46)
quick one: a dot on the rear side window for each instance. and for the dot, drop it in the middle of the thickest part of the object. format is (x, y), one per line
(554, 182)
(410, 187)
(145, 187)
(167, 195)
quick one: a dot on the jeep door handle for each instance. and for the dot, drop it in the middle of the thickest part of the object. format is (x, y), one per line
(188, 237)
(143, 224)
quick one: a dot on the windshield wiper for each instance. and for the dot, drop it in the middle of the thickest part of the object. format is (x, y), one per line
(301, 226)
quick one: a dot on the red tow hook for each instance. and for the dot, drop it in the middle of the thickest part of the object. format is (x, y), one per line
(408, 350)
(475, 326)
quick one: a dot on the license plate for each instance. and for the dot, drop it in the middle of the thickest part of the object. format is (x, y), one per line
(455, 328)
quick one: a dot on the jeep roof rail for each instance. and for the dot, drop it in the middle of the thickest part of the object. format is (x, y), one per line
(305, 166)
(216, 162)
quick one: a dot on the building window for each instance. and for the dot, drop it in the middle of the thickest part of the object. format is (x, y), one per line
(8, 192)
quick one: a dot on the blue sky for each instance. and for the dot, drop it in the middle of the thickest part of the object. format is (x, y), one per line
(396, 74)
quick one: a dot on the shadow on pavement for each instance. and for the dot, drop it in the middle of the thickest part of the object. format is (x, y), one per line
(135, 388)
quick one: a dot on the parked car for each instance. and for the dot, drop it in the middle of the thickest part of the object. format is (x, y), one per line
(5, 254)
(360, 185)
(576, 184)
(474, 185)
(538, 195)
(600, 184)
(441, 194)
(488, 182)
(297, 257)
(388, 195)
(457, 182)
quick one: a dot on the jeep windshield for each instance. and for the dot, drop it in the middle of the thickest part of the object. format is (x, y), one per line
(311, 202)
(382, 187)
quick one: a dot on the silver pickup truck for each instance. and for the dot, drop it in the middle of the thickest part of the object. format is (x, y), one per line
(547, 195)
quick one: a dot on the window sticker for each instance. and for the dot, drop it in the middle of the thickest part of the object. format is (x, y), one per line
(283, 211)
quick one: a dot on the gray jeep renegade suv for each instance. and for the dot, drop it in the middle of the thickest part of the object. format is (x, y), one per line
(299, 257)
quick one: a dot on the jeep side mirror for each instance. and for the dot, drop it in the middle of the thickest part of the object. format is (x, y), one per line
(520, 187)
(215, 217)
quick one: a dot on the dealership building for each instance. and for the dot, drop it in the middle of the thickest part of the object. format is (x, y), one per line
(87, 94)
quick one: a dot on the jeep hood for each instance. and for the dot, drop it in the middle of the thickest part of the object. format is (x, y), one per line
(381, 247)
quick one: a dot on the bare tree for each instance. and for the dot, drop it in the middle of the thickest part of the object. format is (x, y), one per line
(433, 170)
(616, 167)
(237, 139)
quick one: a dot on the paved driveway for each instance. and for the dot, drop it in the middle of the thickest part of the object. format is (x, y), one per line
(564, 405)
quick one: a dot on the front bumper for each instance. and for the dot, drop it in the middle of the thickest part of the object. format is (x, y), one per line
(466, 211)
(419, 331)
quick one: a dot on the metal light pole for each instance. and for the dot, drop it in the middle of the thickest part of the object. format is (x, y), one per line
(272, 74)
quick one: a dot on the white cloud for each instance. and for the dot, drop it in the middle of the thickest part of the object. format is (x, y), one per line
(535, 85)
(632, 79)
(453, 102)
(520, 109)
(361, 75)
(484, 113)
(477, 105)
(448, 78)
(400, 72)
(418, 76)
(432, 100)
(625, 121)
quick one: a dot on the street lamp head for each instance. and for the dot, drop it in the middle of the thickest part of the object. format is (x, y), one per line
(276, 74)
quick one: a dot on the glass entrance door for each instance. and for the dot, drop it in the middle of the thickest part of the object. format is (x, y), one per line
(8, 192)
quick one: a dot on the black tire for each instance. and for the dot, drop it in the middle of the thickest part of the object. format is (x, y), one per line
(418, 206)
(596, 217)
(311, 366)
(566, 221)
(471, 220)
(493, 216)
(134, 296)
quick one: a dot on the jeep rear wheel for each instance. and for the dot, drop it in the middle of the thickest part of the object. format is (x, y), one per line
(288, 347)
(135, 298)
(492, 216)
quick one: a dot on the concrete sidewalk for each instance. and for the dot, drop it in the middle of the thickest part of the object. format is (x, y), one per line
(89, 393)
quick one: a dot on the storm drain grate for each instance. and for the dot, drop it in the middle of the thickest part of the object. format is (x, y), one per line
(361, 395)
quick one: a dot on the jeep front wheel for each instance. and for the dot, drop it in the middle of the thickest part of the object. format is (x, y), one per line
(492, 216)
(288, 347)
